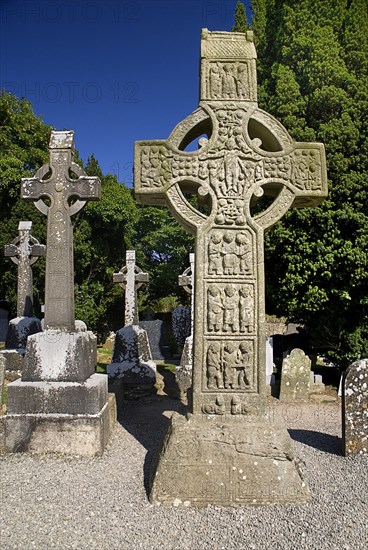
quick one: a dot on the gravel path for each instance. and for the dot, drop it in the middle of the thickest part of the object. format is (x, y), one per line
(88, 503)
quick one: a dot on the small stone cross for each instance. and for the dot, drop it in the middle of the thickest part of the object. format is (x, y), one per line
(67, 189)
(24, 251)
(247, 153)
(131, 277)
(186, 280)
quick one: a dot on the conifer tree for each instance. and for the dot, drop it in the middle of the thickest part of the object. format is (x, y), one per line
(241, 22)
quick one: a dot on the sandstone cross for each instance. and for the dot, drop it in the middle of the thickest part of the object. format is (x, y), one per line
(131, 277)
(24, 251)
(66, 188)
(186, 280)
(247, 153)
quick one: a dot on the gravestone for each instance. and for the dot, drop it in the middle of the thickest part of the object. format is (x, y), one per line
(2, 378)
(295, 376)
(355, 409)
(183, 373)
(60, 405)
(269, 359)
(131, 359)
(229, 450)
(181, 324)
(24, 251)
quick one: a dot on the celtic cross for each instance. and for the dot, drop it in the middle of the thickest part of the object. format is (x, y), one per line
(24, 251)
(66, 188)
(246, 154)
(131, 277)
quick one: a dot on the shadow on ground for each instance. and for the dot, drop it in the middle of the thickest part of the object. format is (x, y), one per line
(323, 442)
(147, 418)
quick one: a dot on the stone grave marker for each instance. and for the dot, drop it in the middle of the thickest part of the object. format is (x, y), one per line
(60, 405)
(24, 251)
(295, 376)
(355, 409)
(229, 451)
(131, 359)
(183, 374)
(2, 378)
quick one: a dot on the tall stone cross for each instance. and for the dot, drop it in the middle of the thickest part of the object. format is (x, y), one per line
(24, 251)
(186, 280)
(67, 188)
(247, 153)
(131, 277)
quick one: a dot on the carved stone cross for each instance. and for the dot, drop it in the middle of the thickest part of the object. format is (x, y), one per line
(24, 251)
(186, 280)
(247, 154)
(131, 277)
(67, 189)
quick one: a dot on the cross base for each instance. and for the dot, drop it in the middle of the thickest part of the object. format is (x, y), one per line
(226, 461)
(132, 360)
(59, 417)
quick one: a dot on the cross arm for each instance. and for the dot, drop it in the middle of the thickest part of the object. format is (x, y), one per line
(10, 250)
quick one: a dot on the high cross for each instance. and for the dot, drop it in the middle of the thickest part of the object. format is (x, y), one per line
(67, 188)
(24, 251)
(246, 153)
(131, 277)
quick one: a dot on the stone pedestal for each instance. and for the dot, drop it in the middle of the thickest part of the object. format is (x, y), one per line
(131, 360)
(18, 331)
(60, 405)
(226, 460)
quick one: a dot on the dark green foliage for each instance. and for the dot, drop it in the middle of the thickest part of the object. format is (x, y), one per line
(241, 22)
(313, 76)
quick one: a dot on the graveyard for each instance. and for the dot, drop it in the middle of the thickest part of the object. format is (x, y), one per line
(166, 398)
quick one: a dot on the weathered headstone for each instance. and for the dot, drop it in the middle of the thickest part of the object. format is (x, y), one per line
(228, 451)
(355, 409)
(269, 359)
(183, 374)
(131, 360)
(24, 251)
(295, 376)
(60, 405)
(2, 378)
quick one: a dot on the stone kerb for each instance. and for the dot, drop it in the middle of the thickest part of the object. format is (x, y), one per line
(355, 409)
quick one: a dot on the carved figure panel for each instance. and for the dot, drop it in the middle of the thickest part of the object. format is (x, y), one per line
(230, 308)
(229, 365)
(228, 80)
(230, 253)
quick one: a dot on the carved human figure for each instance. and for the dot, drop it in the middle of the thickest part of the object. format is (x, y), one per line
(229, 365)
(215, 81)
(214, 254)
(214, 370)
(246, 308)
(244, 253)
(215, 309)
(230, 211)
(228, 82)
(229, 253)
(231, 309)
(242, 364)
(242, 81)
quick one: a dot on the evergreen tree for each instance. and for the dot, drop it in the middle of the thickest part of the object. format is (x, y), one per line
(313, 60)
(241, 22)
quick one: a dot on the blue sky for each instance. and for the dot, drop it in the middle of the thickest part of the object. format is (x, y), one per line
(113, 71)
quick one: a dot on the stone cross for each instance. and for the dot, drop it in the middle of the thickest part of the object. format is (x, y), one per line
(67, 189)
(247, 154)
(131, 277)
(186, 280)
(24, 251)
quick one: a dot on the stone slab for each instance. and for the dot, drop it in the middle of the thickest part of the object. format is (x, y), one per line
(295, 376)
(131, 360)
(183, 373)
(58, 356)
(355, 409)
(19, 330)
(14, 360)
(2, 380)
(88, 397)
(226, 461)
